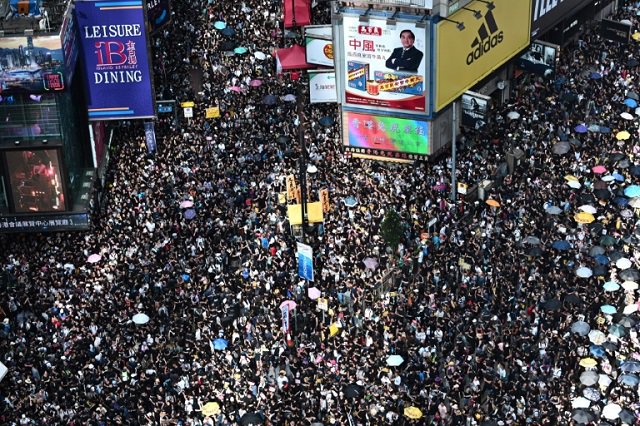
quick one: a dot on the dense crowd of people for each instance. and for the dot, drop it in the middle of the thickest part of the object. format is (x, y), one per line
(520, 312)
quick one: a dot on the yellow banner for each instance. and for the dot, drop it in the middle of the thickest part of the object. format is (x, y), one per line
(188, 104)
(465, 56)
(213, 112)
(290, 180)
(314, 213)
(323, 195)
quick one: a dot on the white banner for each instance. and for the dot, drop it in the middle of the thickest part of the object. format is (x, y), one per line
(322, 86)
(284, 309)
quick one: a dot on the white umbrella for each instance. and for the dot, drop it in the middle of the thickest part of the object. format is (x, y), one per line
(584, 272)
(580, 402)
(140, 318)
(3, 370)
(589, 378)
(637, 111)
(597, 337)
(581, 328)
(630, 285)
(611, 411)
(626, 22)
(574, 184)
(626, 116)
(635, 202)
(514, 115)
(394, 360)
(588, 208)
(604, 380)
(94, 258)
(629, 309)
(259, 55)
(623, 263)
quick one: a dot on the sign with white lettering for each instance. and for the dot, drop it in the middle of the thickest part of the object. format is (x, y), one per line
(546, 14)
(114, 47)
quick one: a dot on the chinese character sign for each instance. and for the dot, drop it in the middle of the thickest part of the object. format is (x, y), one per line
(382, 133)
(114, 47)
(385, 66)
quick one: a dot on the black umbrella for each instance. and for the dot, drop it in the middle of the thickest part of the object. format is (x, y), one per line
(269, 100)
(634, 170)
(623, 164)
(615, 255)
(633, 62)
(615, 156)
(627, 416)
(535, 251)
(596, 228)
(327, 121)
(587, 199)
(600, 271)
(582, 417)
(573, 299)
(596, 250)
(602, 194)
(228, 31)
(353, 391)
(629, 274)
(251, 419)
(552, 305)
(601, 185)
(561, 148)
(227, 46)
(283, 139)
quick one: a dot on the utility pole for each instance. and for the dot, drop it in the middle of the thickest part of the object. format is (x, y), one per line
(303, 158)
(453, 155)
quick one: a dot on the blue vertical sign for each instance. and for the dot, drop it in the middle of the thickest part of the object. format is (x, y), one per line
(305, 261)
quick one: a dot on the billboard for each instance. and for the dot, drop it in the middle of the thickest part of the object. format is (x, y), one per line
(69, 41)
(385, 66)
(319, 45)
(383, 135)
(615, 31)
(322, 86)
(158, 14)
(475, 109)
(540, 59)
(116, 59)
(546, 14)
(466, 55)
(31, 64)
(35, 180)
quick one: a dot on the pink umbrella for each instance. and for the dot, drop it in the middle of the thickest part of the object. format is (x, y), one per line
(186, 204)
(255, 83)
(94, 258)
(313, 293)
(290, 303)
(235, 89)
(599, 169)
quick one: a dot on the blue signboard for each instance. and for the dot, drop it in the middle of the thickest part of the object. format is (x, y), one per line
(305, 261)
(159, 14)
(114, 45)
(69, 40)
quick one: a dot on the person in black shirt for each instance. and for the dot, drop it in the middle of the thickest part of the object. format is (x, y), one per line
(407, 57)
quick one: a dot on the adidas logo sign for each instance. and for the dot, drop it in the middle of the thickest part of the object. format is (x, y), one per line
(489, 35)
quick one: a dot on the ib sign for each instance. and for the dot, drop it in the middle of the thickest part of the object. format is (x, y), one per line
(465, 56)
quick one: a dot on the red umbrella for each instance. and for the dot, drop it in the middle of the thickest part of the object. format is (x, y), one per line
(599, 169)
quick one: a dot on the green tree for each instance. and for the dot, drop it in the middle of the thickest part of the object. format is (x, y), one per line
(392, 229)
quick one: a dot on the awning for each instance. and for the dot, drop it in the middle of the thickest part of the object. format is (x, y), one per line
(302, 13)
(292, 58)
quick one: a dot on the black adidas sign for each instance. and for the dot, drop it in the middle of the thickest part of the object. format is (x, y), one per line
(489, 36)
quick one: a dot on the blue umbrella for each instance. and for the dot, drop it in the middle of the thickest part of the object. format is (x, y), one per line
(561, 245)
(228, 31)
(350, 201)
(219, 25)
(602, 259)
(621, 201)
(327, 121)
(597, 351)
(240, 50)
(631, 103)
(617, 176)
(611, 286)
(269, 100)
(604, 129)
(581, 128)
(185, 278)
(595, 75)
(608, 309)
(629, 380)
(632, 191)
(220, 344)
(189, 214)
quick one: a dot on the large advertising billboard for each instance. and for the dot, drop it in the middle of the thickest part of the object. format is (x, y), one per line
(322, 86)
(546, 14)
(31, 64)
(385, 66)
(116, 59)
(615, 31)
(475, 110)
(383, 135)
(467, 53)
(158, 14)
(319, 45)
(69, 41)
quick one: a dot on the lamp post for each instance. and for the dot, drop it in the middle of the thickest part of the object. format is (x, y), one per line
(303, 159)
(453, 154)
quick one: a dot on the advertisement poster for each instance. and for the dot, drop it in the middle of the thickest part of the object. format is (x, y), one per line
(546, 14)
(385, 66)
(114, 46)
(466, 56)
(158, 14)
(540, 59)
(615, 31)
(319, 45)
(376, 134)
(474, 110)
(305, 261)
(322, 86)
(31, 64)
(150, 136)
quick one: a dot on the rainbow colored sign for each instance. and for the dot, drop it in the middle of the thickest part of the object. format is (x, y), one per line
(374, 133)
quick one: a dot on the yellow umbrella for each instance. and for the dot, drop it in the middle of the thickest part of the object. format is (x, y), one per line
(635, 36)
(333, 329)
(413, 412)
(210, 409)
(584, 217)
(569, 178)
(588, 362)
(623, 135)
(493, 203)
